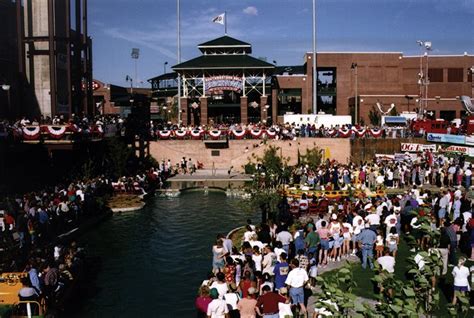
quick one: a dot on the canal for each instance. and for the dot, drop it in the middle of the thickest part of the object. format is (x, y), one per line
(153, 261)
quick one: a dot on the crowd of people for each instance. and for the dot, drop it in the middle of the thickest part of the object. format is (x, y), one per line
(79, 127)
(267, 273)
(51, 273)
(154, 128)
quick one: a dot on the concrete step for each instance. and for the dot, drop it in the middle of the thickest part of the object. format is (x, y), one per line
(209, 172)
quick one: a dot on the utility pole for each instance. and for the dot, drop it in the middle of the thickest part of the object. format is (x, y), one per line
(178, 13)
(356, 110)
(315, 73)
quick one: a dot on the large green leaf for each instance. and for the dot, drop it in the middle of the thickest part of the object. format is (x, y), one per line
(409, 292)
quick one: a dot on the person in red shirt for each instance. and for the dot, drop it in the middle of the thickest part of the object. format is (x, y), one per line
(203, 301)
(267, 304)
(9, 222)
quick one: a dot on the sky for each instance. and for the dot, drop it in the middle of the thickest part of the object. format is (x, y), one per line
(279, 30)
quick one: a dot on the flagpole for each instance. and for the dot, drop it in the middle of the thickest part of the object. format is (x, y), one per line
(315, 73)
(225, 22)
(178, 13)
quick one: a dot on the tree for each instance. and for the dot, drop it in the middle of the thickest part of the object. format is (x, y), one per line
(312, 158)
(374, 117)
(270, 171)
(394, 112)
(116, 158)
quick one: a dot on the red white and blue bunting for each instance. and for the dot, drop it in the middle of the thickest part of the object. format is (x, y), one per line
(239, 134)
(164, 134)
(376, 132)
(359, 132)
(180, 134)
(344, 133)
(271, 133)
(256, 133)
(56, 132)
(215, 134)
(196, 133)
(31, 132)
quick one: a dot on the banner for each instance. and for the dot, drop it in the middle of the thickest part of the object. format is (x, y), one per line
(468, 151)
(408, 147)
(451, 139)
(470, 140)
(400, 157)
(221, 83)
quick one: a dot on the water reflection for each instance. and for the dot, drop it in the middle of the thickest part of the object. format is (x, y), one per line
(154, 260)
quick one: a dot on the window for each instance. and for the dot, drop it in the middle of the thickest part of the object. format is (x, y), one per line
(455, 74)
(447, 115)
(435, 75)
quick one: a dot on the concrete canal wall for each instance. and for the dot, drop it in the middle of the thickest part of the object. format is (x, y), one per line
(241, 151)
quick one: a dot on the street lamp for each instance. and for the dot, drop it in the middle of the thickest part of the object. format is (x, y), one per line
(6, 88)
(164, 67)
(356, 117)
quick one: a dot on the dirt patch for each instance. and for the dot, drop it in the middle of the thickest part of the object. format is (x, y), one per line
(237, 237)
(121, 201)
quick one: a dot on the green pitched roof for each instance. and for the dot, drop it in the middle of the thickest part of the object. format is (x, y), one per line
(223, 62)
(224, 41)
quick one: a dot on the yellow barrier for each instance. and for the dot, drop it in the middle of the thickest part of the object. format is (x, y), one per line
(10, 285)
(331, 194)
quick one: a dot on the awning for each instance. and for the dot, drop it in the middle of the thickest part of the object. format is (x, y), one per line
(395, 120)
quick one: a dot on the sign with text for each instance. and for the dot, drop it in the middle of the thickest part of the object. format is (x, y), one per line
(470, 140)
(468, 151)
(451, 139)
(409, 147)
(223, 83)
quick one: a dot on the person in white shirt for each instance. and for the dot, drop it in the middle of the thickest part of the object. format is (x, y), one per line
(347, 236)
(285, 238)
(231, 299)
(373, 219)
(248, 234)
(220, 285)
(217, 307)
(387, 262)
(390, 221)
(461, 281)
(269, 260)
(358, 225)
(296, 280)
(257, 258)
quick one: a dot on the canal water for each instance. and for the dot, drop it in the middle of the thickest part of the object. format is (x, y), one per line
(153, 261)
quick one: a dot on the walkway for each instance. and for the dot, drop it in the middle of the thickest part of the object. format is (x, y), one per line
(211, 175)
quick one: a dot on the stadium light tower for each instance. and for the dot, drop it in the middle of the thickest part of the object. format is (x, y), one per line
(135, 55)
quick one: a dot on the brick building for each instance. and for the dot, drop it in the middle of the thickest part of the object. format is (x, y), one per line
(112, 99)
(45, 58)
(252, 90)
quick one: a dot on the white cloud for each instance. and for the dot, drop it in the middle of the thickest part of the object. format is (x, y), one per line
(251, 10)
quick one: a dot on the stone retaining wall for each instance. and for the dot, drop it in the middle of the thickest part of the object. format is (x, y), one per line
(240, 151)
(365, 149)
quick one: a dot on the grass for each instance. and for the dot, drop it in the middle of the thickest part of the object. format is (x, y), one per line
(365, 286)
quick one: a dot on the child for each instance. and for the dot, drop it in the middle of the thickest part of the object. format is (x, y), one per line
(379, 244)
(392, 241)
(313, 270)
(347, 237)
